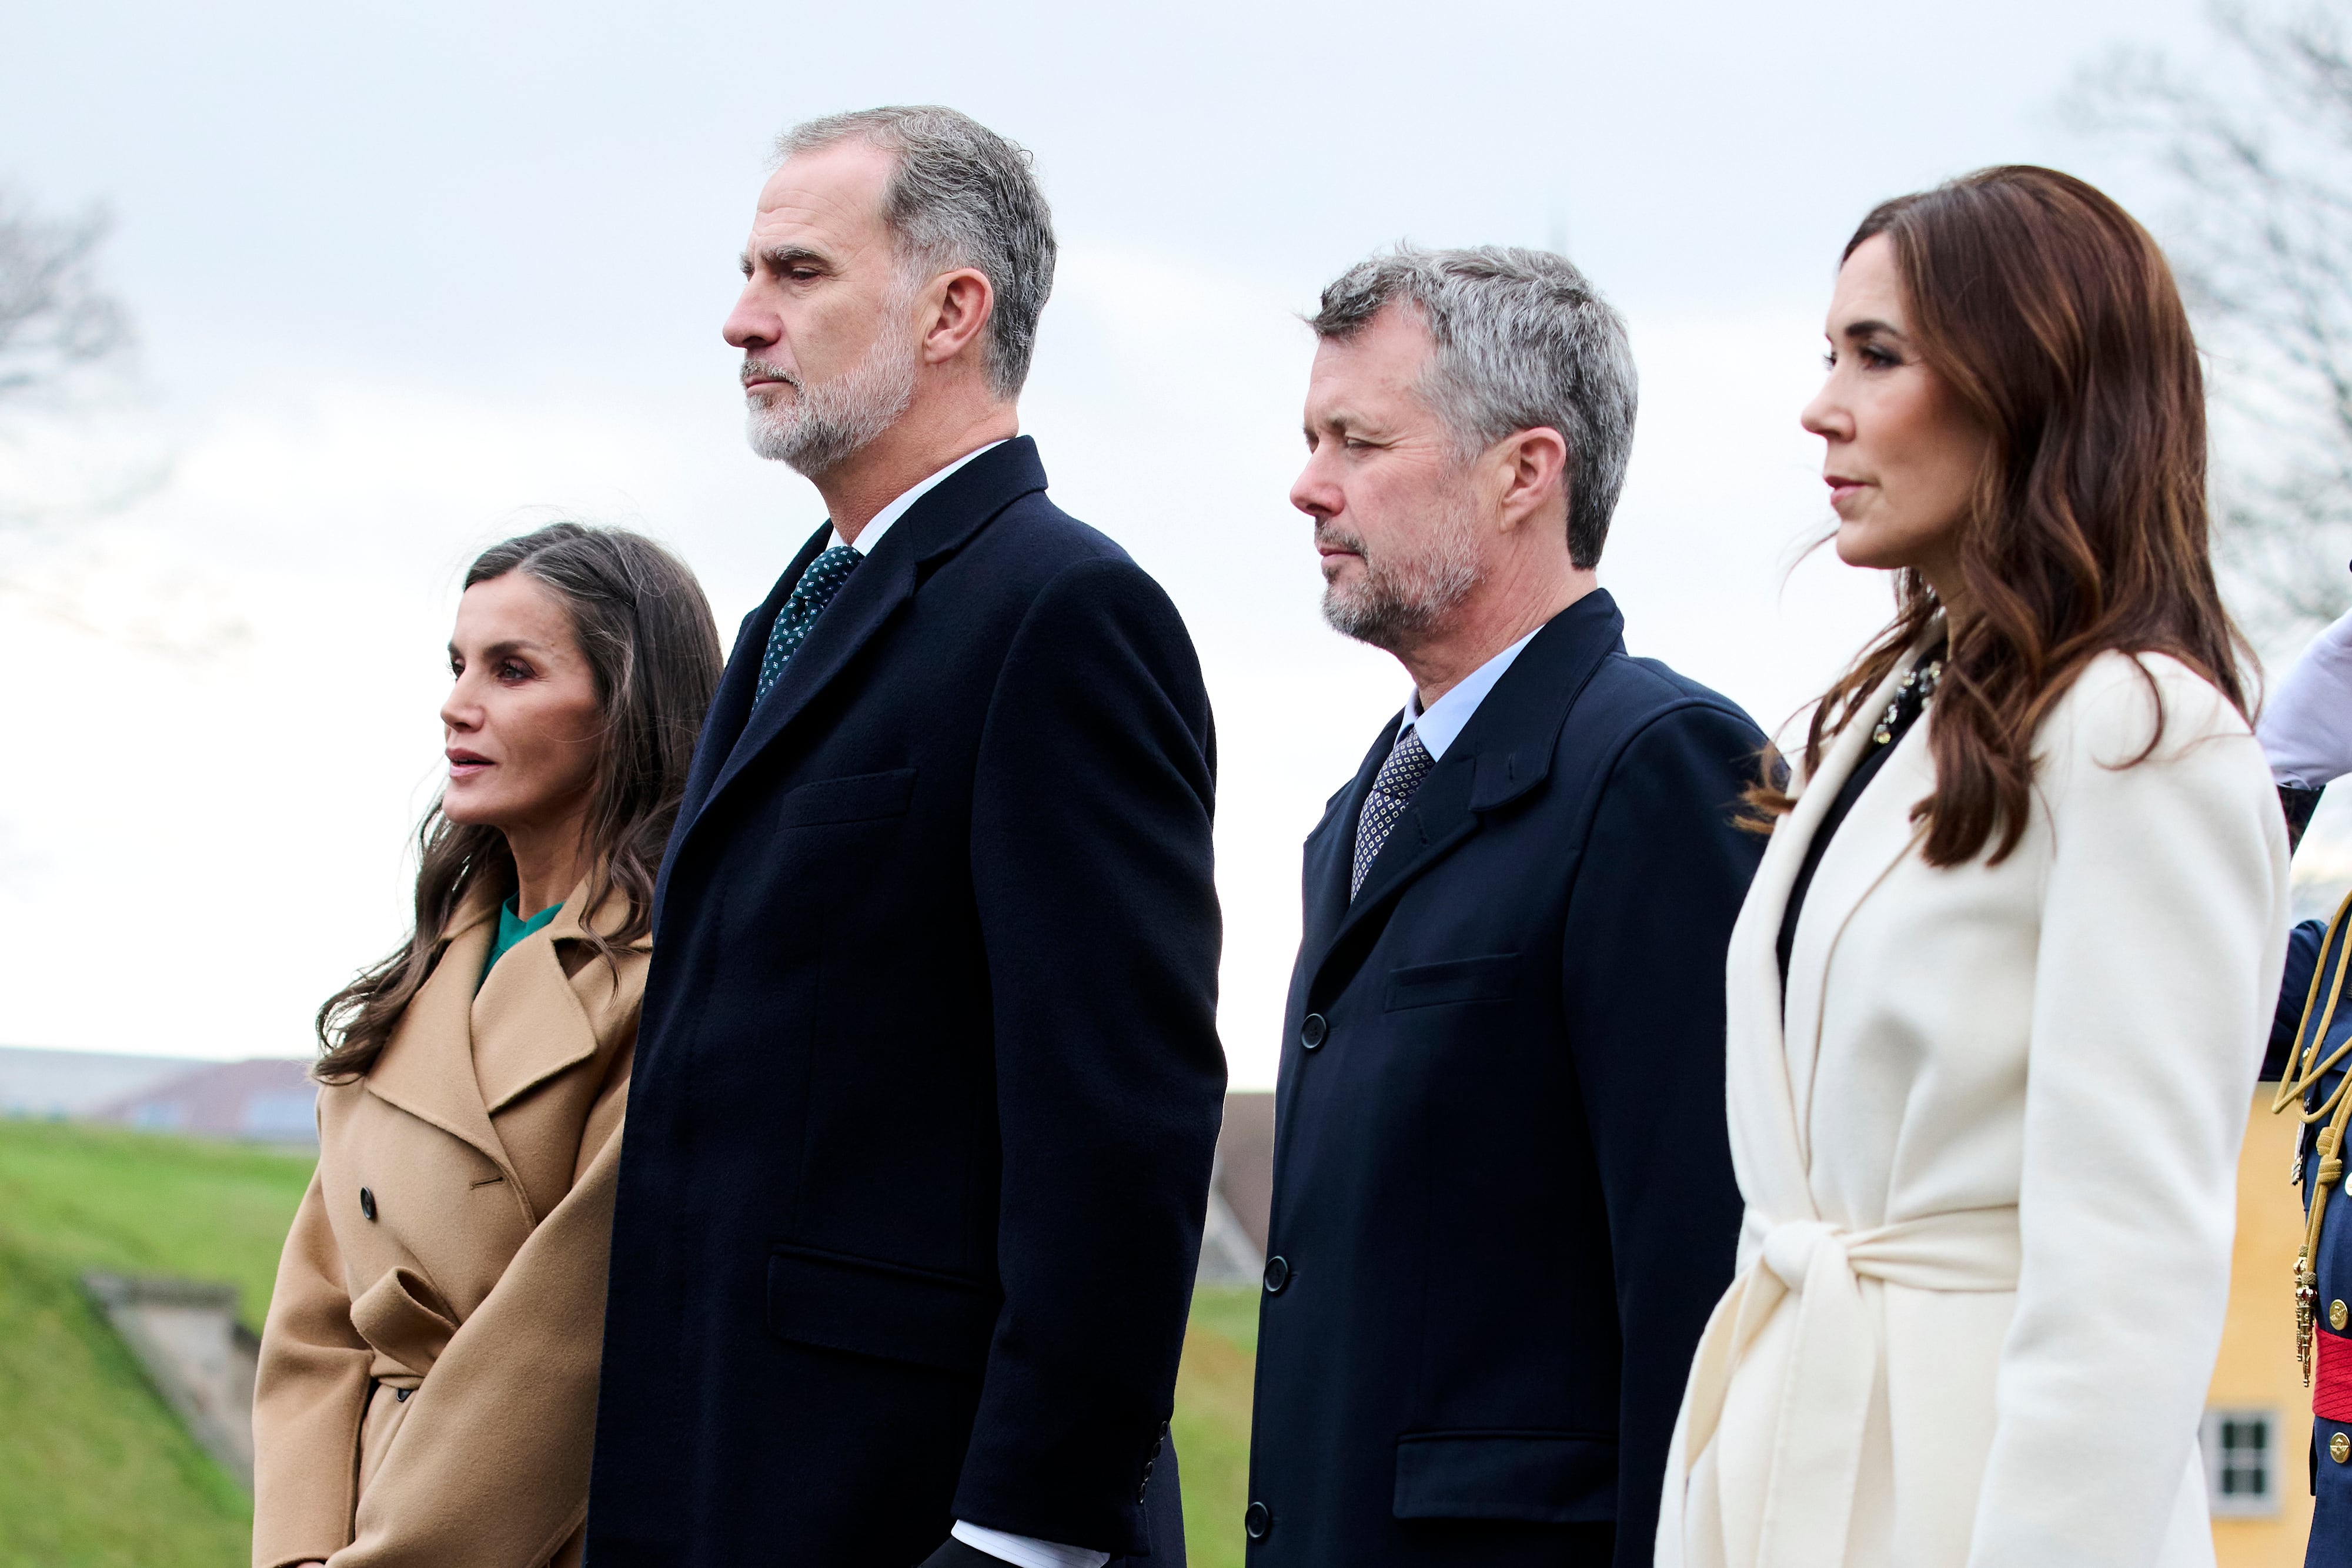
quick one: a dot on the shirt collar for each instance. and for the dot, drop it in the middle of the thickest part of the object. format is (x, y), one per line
(1444, 719)
(871, 534)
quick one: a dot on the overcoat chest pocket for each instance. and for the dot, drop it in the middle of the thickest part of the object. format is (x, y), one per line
(860, 798)
(1488, 979)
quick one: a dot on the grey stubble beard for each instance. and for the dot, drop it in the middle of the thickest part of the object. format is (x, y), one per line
(830, 422)
(1402, 597)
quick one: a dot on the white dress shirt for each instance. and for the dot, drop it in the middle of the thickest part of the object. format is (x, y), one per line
(871, 534)
(1445, 717)
(1020, 1549)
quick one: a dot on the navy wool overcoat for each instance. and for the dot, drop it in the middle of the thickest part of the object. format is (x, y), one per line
(928, 1083)
(1503, 1197)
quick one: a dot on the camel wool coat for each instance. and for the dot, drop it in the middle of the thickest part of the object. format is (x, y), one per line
(427, 1387)
(1989, 1164)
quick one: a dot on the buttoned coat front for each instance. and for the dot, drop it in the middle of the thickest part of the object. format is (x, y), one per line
(1990, 1159)
(428, 1374)
(1502, 1200)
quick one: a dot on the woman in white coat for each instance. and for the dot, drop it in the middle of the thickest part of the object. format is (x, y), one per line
(2000, 988)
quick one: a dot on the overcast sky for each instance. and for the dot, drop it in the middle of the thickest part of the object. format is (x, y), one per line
(411, 279)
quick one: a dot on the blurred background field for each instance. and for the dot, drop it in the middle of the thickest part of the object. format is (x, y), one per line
(96, 1472)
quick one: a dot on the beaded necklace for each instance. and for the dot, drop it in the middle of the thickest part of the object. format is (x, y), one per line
(1911, 699)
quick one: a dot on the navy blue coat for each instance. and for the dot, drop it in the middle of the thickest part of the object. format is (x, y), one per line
(1503, 1197)
(928, 1083)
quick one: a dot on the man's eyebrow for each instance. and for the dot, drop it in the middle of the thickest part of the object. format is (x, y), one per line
(777, 257)
(1339, 422)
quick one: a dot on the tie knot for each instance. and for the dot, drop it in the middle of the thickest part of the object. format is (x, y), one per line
(819, 582)
(824, 575)
(1409, 763)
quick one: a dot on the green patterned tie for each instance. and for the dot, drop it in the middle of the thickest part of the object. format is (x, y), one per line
(810, 595)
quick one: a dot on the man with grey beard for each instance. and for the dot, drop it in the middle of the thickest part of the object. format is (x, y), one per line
(1503, 1199)
(928, 1080)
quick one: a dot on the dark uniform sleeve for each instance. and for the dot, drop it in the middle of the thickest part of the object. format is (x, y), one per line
(1664, 875)
(1093, 870)
(2302, 946)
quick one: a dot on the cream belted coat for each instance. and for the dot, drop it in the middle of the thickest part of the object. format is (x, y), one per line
(1989, 1166)
(486, 1141)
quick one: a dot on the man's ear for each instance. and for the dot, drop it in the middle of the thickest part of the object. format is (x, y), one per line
(1532, 477)
(961, 303)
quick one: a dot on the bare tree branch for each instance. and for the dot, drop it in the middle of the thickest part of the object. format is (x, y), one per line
(55, 317)
(2260, 236)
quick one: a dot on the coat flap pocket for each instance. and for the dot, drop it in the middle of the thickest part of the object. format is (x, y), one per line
(858, 799)
(1545, 1477)
(881, 1308)
(405, 1317)
(1487, 979)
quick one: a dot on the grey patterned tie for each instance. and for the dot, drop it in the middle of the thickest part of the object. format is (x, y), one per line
(1409, 763)
(809, 597)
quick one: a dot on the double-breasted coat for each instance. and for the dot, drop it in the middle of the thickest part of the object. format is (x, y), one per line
(427, 1387)
(1989, 1154)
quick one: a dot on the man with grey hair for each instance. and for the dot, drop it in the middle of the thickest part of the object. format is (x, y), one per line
(927, 1080)
(1503, 1199)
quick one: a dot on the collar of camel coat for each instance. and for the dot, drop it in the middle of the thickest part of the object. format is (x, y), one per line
(462, 1060)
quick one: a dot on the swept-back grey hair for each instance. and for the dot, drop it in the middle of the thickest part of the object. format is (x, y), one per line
(961, 196)
(1524, 341)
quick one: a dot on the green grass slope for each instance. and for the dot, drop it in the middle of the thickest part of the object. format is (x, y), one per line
(1212, 1423)
(95, 1471)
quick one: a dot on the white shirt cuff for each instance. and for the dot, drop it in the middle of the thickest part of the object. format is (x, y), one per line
(1026, 1552)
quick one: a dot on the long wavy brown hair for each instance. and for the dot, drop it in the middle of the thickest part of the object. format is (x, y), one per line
(2054, 318)
(645, 629)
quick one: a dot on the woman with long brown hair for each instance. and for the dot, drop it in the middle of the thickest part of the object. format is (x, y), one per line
(429, 1371)
(1998, 991)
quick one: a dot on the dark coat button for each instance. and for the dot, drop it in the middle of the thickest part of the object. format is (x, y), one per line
(1314, 1031)
(1277, 1275)
(367, 1203)
(1257, 1522)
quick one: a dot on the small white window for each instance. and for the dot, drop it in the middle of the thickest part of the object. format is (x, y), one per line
(2241, 1461)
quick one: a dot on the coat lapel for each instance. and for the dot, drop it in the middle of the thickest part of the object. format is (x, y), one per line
(1330, 854)
(1502, 753)
(428, 1070)
(935, 525)
(730, 706)
(1770, 1148)
(1876, 836)
(527, 1022)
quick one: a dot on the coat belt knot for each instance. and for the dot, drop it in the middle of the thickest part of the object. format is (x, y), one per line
(1816, 1270)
